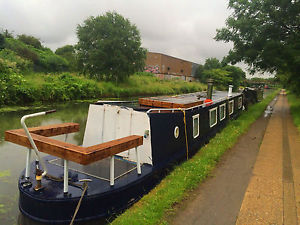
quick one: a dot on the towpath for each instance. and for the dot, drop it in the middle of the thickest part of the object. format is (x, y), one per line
(256, 182)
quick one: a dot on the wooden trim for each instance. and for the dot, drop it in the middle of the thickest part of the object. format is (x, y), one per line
(55, 129)
(165, 104)
(78, 154)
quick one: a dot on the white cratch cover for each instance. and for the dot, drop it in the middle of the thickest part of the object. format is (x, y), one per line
(110, 122)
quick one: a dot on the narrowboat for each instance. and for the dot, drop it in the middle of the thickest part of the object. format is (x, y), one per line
(123, 150)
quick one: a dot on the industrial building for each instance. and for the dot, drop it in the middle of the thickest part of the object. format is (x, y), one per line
(169, 67)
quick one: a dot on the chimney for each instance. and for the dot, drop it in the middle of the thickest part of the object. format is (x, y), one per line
(230, 90)
(209, 88)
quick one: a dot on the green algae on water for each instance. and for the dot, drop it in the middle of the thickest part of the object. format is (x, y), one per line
(4, 174)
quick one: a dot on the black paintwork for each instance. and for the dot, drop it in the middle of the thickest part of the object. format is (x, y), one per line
(166, 148)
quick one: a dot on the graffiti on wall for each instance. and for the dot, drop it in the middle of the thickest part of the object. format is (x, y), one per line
(152, 69)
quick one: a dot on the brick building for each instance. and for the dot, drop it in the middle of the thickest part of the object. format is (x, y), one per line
(168, 67)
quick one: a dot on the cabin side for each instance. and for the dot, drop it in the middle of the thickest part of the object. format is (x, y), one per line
(168, 135)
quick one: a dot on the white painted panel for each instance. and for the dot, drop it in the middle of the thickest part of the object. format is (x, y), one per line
(118, 122)
(109, 130)
(93, 129)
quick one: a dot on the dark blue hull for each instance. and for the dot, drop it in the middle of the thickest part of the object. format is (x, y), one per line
(50, 205)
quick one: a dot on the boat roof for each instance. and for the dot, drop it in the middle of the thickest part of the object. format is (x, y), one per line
(182, 101)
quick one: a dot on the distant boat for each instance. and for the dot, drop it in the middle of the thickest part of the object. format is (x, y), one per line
(123, 152)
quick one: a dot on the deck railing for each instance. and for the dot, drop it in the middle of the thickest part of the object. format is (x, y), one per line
(37, 138)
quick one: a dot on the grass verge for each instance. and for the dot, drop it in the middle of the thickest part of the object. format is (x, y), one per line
(155, 206)
(294, 102)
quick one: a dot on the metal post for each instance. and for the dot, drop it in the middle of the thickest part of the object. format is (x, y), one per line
(66, 176)
(209, 88)
(27, 170)
(30, 138)
(112, 171)
(138, 164)
(230, 90)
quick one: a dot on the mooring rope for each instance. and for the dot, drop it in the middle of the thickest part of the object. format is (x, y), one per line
(79, 203)
(185, 133)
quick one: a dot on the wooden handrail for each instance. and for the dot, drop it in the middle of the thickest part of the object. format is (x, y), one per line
(78, 154)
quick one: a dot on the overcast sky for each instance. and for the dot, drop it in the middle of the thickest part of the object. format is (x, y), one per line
(180, 28)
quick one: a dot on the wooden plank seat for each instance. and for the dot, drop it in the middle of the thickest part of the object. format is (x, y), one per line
(78, 154)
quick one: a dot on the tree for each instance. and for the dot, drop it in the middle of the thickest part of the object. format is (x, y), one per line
(68, 53)
(265, 35)
(199, 72)
(237, 75)
(2, 42)
(220, 77)
(212, 63)
(30, 40)
(109, 47)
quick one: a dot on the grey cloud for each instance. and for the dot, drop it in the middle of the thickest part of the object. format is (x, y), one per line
(183, 29)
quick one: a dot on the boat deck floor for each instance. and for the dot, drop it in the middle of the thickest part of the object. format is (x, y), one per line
(100, 169)
(125, 174)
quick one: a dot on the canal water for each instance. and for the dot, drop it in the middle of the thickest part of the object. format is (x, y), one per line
(12, 156)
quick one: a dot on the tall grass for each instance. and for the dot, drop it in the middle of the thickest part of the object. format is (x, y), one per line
(39, 87)
(155, 206)
(294, 102)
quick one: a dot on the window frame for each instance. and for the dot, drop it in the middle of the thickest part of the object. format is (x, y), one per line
(229, 108)
(198, 117)
(210, 111)
(240, 102)
(220, 106)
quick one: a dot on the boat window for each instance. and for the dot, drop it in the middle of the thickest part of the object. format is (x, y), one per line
(240, 102)
(231, 103)
(222, 111)
(213, 117)
(176, 132)
(196, 125)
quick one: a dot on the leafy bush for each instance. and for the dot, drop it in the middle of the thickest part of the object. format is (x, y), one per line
(67, 87)
(7, 66)
(22, 65)
(22, 50)
(68, 53)
(50, 62)
(43, 59)
(30, 40)
(10, 86)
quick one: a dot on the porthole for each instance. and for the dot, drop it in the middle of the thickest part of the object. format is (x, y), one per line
(176, 132)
